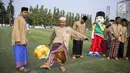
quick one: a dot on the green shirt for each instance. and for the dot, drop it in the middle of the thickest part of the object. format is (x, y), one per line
(98, 29)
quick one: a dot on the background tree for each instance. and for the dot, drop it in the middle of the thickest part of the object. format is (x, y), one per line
(2, 13)
(45, 16)
(10, 12)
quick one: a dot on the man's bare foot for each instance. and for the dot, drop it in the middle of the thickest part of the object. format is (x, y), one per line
(74, 58)
(81, 57)
(45, 66)
(62, 68)
(22, 68)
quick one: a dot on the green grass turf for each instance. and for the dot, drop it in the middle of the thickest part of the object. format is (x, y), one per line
(41, 36)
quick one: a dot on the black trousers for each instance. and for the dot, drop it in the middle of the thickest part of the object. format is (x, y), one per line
(77, 47)
(121, 50)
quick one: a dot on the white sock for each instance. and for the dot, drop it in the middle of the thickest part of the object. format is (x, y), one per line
(90, 52)
(95, 52)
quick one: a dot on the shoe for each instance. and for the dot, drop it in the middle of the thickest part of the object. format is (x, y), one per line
(116, 59)
(108, 58)
(97, 54)
(90, 54)
(126, 58)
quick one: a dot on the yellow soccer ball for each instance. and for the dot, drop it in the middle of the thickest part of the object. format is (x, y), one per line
(42, 52)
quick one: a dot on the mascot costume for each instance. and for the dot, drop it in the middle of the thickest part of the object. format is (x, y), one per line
(97, 34)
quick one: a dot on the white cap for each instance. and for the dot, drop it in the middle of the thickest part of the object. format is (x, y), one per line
(62, 18)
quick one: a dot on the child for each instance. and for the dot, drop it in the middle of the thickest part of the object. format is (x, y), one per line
(123, 38)
(116, 32)
(60, 40)
(19, 41)
(27, 24)
(106, 40)
(80, 27)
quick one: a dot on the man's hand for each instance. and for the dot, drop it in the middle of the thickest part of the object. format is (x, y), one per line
(26, 43)
(87, 39)
(17, 42)
(49, 45)
(116, 38)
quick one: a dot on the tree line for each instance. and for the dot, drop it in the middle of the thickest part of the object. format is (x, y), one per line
(6, 14)
(44, 16)
(41, 15)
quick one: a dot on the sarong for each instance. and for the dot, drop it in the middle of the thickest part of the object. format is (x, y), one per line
(77, 48)
(128, 48)
(20, 54)
(121, 50)
(114, 47)
(58, 53)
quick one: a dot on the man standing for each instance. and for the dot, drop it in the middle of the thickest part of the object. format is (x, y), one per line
(116, 32)
(80, 27)
(123, 39)
(19, 41)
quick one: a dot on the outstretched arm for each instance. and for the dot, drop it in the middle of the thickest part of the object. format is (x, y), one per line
(77, 35)
(52, 38)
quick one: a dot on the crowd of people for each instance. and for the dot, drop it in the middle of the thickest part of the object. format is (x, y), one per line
(108, 39)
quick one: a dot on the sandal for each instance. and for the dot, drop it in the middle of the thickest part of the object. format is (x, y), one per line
(62, 68)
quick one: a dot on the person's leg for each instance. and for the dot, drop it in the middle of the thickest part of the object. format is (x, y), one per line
(21, 57)
(62, 67)
(122, 50)
(74, 49)
(119, 51)
(117, 44)
(81, 47)
(92, 47)
(128, 49)
(105, 47)
(98, 46)
(111, 49)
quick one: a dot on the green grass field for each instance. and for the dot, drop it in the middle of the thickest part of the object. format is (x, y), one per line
(41, 36)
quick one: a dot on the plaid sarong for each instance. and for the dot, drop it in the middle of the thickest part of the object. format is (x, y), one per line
(114, 47)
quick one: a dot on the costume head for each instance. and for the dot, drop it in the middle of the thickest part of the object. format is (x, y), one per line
(62, 21)
(100, 17)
